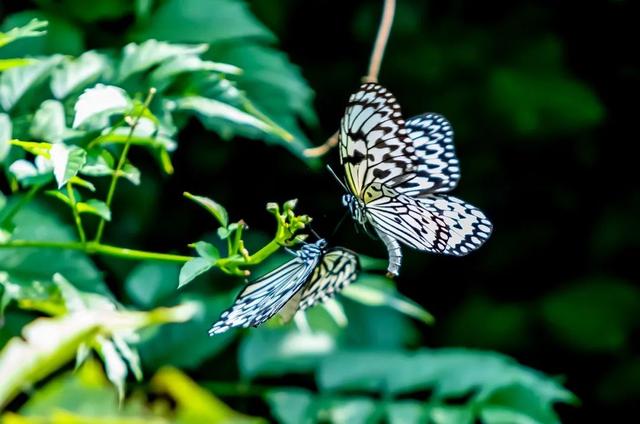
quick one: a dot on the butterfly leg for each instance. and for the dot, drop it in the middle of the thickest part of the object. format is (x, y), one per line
(395, 254)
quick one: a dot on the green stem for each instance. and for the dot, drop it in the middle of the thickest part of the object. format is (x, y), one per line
(98, 249)
(76, 214)
(121, 162)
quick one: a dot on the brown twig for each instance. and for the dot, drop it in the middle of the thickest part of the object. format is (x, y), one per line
(372, 75)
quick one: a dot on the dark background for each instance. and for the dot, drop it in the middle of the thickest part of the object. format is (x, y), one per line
(540, 95)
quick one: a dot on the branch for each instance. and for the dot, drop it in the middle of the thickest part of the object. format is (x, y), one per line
(372, 75)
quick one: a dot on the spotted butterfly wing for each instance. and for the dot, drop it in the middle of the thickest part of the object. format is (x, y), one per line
(394, 170)
(312, 276)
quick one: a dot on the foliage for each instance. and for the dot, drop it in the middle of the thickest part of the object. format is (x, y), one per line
(75, 128)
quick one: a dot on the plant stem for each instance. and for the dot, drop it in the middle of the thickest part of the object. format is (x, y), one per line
(76, 214)
(381, 41)
(97, 248)
(372, 74)
(122, 161)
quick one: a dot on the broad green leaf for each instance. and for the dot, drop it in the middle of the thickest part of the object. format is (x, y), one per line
(95, 207)
(75, 74)
(279, 351)
(6, 129)
(14, 63)
(24, 266)
(542, 103)
(222, 117)
(150, 283)
(372, 292)
(140, 57)
(356, 410)
(166, 345)
(216, 209)
(32, 29)
(77, 181)
(96, 104)
(131, 173)
(49, 122)
(67, 162)
(406, 411)
(203, 21)
(48, 343)
(291, 406)
(454, 414)
(207, 251)
(14, 83)
(610, 323)
(164, 74)
(99, 163)
(192, 269)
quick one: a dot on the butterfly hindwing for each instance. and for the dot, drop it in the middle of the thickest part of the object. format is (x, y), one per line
(338, 268)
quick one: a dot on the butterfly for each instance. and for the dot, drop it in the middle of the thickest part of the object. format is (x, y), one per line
(313, 275)
(396, 172)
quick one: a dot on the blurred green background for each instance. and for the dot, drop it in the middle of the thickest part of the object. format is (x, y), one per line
(538, 94)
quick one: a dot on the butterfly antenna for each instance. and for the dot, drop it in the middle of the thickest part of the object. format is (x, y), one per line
(317, 236)
(335, 230)
(337, 179)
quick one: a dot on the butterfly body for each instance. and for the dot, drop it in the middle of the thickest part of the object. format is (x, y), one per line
(315, 274)
(396, 172)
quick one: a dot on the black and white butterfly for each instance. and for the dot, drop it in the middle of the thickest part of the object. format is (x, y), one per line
(313, 275)
(396, 172)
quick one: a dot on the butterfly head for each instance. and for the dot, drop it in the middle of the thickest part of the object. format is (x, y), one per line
(355, 208)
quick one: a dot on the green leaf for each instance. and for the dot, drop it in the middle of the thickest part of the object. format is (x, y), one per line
(14, 63)
(15, 82)
(24, 266)
(166, 345)
(150, 283)
(202, 21)
(371, 291)
(216, 209)
(77, 181)
(131, 173)
(192, 269)
(207, 251)
(538, 104)
(114, 364)
(48, 343)
(140, 57)
(406, 412)
(165, 73)
(218, 116)
(75, 74)
(6, 129)
(275, 352)
(67, 162)
(38, 149)
(291, 406)
(49, 122)
(95, 207)
(32, 29)
(609, 325)
(97, 104)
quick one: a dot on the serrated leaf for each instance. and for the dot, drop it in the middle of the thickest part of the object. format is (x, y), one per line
(49, 122)
(6, 130)
(192, 269)
(75, 74)
(95, 207)
(15, 82)
(33, 29)
(98, 103)
(216, 209)
(165, 73)
(140, 57)
(207, 251)
(212, 113)
(67, 162)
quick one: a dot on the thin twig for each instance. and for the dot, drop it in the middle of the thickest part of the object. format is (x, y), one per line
(372, 75)
(123, 158)
(76, 213)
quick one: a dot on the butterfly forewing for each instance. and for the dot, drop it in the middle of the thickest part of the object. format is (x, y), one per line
(338, 268)
(264, 297)
(374, 145)
(439, 168)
